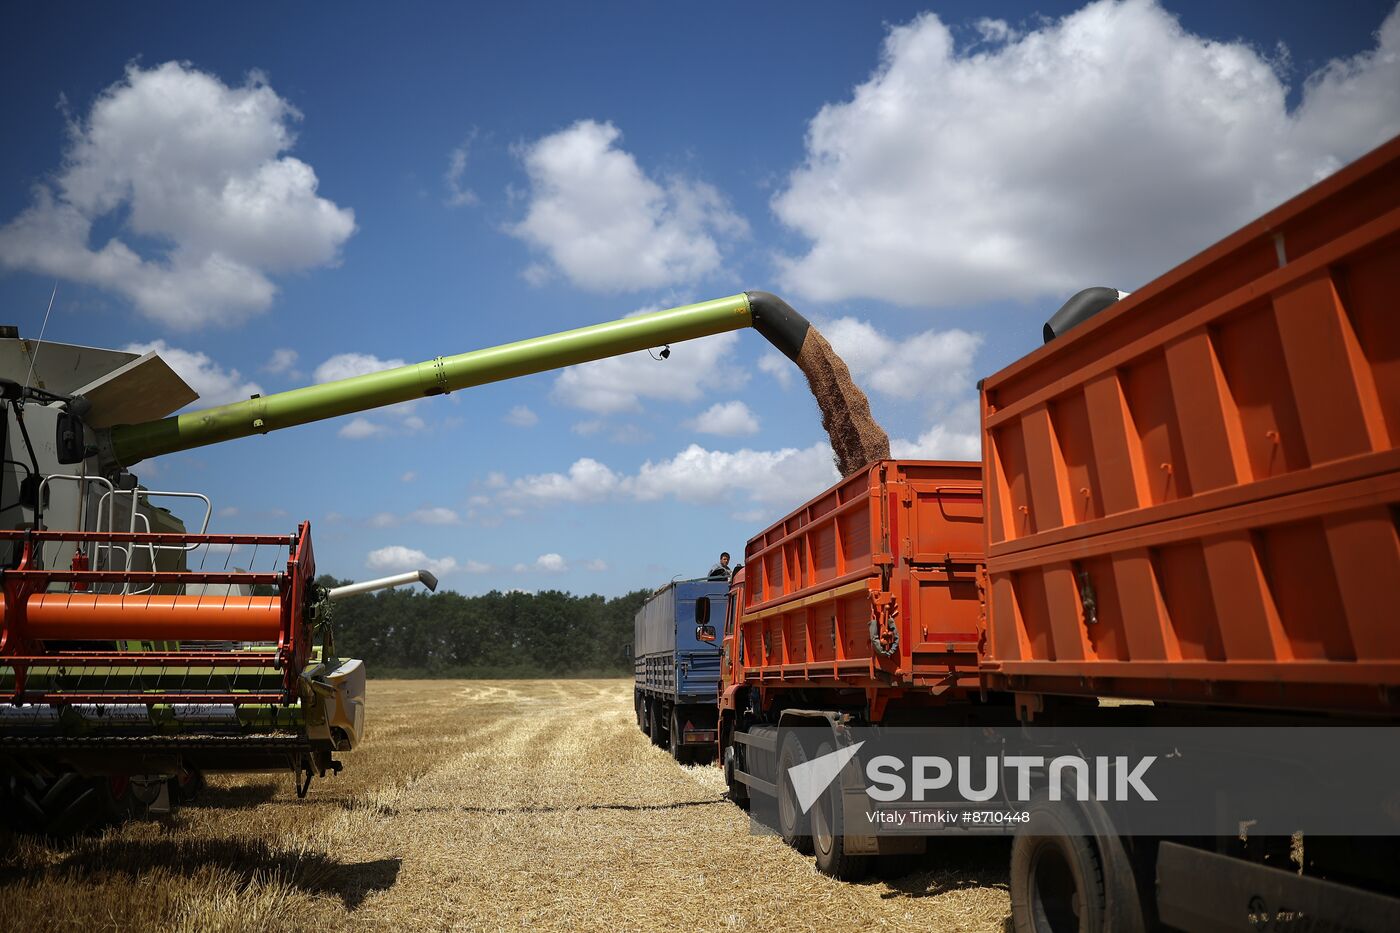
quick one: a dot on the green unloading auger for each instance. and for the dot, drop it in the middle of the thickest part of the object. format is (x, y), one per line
(124, 445)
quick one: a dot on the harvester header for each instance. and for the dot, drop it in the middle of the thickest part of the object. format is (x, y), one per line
(125, 445)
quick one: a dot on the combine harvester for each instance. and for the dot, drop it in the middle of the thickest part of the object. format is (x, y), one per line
(136, 656)
(1189, 500)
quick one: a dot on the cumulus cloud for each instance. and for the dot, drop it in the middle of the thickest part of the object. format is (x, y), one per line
(728, 419)
(930, 364)
(180, 159)
(401, 418)
(360, 428)
(397, 557)
(695, 475)
(215, 385)
(476, 566)
(1101, 148)
(458, 194)
(597, 565)
(283, 360)
(551, 563)
(435, 515)
(778, 366)
(620, 383)
(408, 476)
(608, 226)
(956, 435)
(346, 365)
(521, 417)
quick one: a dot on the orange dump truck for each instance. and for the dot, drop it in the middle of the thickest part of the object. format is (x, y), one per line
(1186, 513)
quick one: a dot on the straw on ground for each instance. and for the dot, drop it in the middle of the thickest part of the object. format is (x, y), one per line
(480, 805)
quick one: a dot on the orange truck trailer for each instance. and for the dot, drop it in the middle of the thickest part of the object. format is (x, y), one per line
(1186, 513)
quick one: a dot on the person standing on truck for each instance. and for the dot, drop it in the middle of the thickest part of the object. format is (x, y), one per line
(720, 571)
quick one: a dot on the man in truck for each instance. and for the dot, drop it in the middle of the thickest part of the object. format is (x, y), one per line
(720, 571)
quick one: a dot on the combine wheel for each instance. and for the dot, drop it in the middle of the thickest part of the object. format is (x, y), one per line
(828, 839)
(62, 804)
(792, 822)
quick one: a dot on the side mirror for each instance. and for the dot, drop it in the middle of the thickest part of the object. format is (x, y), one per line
(69, 442)
(704, 631)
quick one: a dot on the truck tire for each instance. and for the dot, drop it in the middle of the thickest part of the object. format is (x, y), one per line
(828, 832)
(656, 715)
(737, 790)
(793, 824)
(676, 736)
(1057, 877)
(639, 703)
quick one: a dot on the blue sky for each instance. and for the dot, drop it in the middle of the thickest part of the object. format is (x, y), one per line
(273, 194)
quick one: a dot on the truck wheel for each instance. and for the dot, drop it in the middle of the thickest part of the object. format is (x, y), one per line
(656, 715)
(677, 736)
(792, 822)
(639, 703)
(1057, 878)
(828, 833)
(738, 791)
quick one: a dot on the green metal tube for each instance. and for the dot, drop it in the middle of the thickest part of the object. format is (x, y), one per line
(126, 444)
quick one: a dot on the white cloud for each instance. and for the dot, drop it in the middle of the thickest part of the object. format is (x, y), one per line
(458, 194)
(215, 385)
(408, 477)
(398, 557)
(551, 563)
(282, 361)
(1101, 148)
(436, 515)
(608, 226)
(728, 419)
(587, 481)
(183, 160)
(228, 511)
(596, 565)
(956, 435)
(778, 366)
(359, 428)
(620, 383)
(696, 474)
(521, 417)
(346, 365)
(931, 364)
(476, 566)
(782, 477)
(383, 520)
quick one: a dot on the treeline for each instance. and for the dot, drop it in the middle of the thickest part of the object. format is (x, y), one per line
(411, 633)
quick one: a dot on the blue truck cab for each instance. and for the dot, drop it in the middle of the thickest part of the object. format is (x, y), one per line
(677, 639)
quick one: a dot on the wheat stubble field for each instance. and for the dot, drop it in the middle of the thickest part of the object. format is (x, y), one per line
(480, 805)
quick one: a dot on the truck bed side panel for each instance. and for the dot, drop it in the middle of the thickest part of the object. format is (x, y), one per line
(1194, 494)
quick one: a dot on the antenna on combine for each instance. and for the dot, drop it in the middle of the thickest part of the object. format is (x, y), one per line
(43, 327)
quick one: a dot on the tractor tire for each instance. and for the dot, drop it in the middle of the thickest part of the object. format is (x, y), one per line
(793, 825)
(828, 832)
(62, 804)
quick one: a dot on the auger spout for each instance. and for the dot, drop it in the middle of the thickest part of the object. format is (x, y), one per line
(788, 331)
